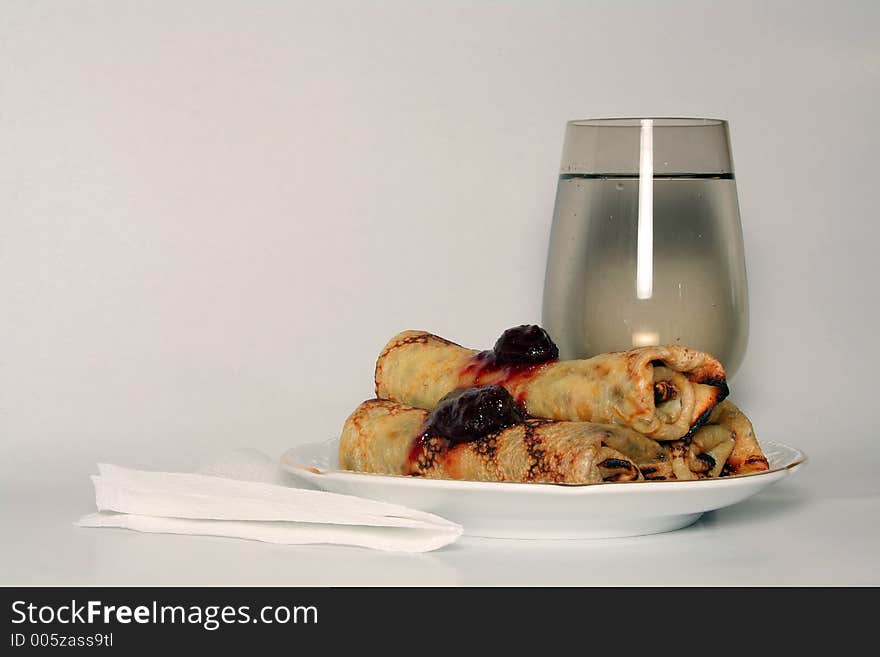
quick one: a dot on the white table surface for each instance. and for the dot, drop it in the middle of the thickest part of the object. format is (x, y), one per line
(817, 527)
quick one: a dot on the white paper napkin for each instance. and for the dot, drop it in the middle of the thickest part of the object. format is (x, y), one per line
(246, 495)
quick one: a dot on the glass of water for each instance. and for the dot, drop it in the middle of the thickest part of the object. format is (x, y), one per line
(646, 245)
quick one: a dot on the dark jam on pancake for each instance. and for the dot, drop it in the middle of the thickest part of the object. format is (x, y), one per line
(517, 355)
(483, 404)
(463, 416)
(526, 344)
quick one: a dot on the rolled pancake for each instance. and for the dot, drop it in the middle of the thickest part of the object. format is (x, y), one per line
(652, 458)
(724, 446)
(418, 369)
(746, 455)
(702, 456)
(386, 437)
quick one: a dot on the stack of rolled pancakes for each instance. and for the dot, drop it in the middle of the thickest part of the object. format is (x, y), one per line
(651, 413)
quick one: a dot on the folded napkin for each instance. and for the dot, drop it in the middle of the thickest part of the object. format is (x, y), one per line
(246, 495)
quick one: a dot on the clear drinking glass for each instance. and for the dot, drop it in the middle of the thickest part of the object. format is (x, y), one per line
(646, 245)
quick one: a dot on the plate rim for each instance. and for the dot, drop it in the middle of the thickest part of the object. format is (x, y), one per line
(289, 465)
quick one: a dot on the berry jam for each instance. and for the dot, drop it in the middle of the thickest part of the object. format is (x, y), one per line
(518, 354)
(462, 416)
(465, 415)
(525, 345)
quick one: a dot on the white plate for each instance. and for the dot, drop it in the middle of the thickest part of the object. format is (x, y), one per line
(523, 510)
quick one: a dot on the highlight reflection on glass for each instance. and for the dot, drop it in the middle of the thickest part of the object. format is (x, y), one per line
(646, 244)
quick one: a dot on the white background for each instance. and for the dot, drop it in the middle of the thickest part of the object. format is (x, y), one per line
(214, 214)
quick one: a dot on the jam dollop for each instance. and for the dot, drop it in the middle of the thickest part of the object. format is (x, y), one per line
(470, 413)
(527, 344)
